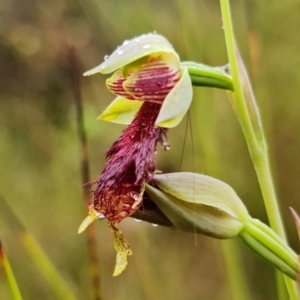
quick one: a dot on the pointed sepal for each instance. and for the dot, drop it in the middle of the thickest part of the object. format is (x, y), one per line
(132, 50)
(121, 111)
(92, 216)
(123, 249)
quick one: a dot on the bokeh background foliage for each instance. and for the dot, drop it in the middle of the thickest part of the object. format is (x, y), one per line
(39, 150)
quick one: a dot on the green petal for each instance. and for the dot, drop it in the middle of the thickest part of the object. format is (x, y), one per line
(132, 50)
(176, 103)
(121, 111)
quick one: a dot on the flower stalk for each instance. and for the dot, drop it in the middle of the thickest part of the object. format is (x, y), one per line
(254, 135)
(270, 247)
(251, 125)
(206, 76)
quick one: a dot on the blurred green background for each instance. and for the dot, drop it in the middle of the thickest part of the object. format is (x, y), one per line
(39, 147)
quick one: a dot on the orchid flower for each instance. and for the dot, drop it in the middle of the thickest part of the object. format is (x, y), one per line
(146, 68)
(153, 94)
(154, 91)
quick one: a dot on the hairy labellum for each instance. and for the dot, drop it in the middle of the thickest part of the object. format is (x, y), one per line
(130, 164)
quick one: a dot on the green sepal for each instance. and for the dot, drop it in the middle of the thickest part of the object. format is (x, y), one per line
(121, 111)
(199, 188)
(195, 217)
(132, 50)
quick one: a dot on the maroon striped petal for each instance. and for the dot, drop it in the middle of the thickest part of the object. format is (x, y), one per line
(115, 85)
(153, 80)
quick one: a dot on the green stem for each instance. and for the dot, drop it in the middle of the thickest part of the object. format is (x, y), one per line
(257, 147)
(274, 260)
(268, 231)
(10, 275)
(267, 255)
(263, 171)
(202, 75)
(254, 137)
(281, 251)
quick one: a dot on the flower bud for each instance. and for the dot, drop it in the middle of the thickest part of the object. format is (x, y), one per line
(202, 204)
(199, 203)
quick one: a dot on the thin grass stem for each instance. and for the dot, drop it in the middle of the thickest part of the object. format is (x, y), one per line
(45, 266)
(10, 275)
(85, 174)
(235, 271)
(39, 257)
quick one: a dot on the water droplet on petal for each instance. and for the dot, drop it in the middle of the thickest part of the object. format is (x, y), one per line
(164, 142)
(154, 225)
(135, 196)
(166, 146)
(137, 40)
(126, 42)
(100, 216)
(146, 46)
(106, 57)
(137, 220)
(137, 90)
(120, 52)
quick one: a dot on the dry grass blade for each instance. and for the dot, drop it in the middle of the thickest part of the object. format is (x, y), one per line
(85, 171)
